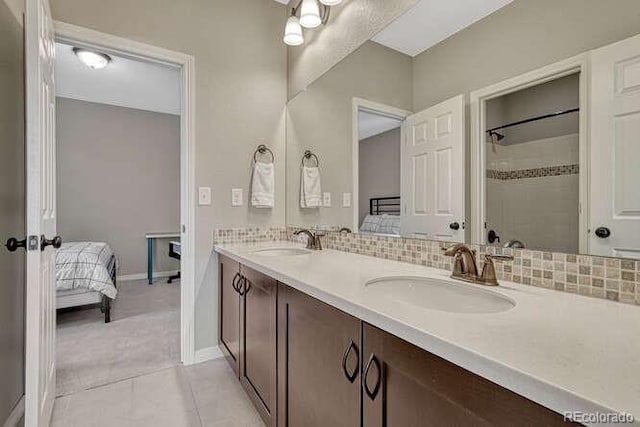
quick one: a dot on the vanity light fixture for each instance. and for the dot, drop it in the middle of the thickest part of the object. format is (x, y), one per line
(307, 14)
(93, 60)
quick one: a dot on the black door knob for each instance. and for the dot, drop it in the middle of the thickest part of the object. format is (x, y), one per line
(56, 242)
(13, 244)
(603, 232)
(493, 236)
(454, 226)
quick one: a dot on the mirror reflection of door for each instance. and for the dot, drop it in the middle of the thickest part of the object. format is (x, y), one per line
(379, 150)
(533, 167)
(12, 213)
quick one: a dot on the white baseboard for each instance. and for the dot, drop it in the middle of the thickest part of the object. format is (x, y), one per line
(140, 276)
(16, 415)
(208, 353)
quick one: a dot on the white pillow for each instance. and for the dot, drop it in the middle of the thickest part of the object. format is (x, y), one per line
(371, 223)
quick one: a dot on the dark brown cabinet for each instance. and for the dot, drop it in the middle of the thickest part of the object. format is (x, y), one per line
(304, 363)
(318, 364)
(404, 385)
(229, 311)
(258, 341)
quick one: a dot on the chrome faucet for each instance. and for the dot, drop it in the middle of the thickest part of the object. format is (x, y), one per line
(313, 239)
(465, 267)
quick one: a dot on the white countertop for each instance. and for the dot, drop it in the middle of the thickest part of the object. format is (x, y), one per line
(564, 351)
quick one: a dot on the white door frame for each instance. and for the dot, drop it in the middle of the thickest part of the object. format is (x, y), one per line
(479, 98)
(112, 44)
(361, 104)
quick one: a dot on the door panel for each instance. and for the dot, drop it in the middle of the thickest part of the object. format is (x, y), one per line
(433, 172)
(318, 346)
(12, 213)
(615, 152)
(40, 213)
(229, 333)
(258, 344)
(417, 388)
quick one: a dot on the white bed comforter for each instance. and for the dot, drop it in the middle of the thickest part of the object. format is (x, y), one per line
(85, 265)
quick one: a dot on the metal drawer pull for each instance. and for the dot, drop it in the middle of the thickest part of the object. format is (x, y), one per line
(246, 286)
(372, 393)
(350, 376)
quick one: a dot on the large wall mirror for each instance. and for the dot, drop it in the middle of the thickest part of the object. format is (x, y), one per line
(516, 125)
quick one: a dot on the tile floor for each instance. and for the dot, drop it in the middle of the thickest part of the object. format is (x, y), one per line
(207, 394)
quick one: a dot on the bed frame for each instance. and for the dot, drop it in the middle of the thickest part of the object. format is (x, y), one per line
(384, 205)
(72, 300)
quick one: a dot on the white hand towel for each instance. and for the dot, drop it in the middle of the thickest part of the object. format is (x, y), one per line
(310, 189)
(263, 185)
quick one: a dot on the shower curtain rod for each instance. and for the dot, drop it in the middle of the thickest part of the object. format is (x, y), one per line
(533, 119)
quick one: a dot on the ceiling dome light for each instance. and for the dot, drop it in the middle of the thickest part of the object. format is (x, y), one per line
(293, 32)
(310, 14)
(330, 2)
(93, 60)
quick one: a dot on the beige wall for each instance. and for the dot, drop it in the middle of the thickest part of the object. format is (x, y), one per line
(240, 98)
(320, 120)
(520, 37)
(351, 24)
(379, 168)
(118, 178)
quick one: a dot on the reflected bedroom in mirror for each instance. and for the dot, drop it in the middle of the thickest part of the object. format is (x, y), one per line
(442, 138)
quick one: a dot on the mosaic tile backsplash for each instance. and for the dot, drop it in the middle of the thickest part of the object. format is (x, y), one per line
(600, 277)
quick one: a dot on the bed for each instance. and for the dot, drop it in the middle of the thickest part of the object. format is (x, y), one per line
(383, 217)
(86, 276)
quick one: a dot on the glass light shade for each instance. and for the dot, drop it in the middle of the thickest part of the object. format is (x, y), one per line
(330, 2)
(310, 14)
(93, 60)
(293, 32)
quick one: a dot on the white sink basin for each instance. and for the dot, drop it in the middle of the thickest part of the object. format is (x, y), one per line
(281, 251)
(442, 295)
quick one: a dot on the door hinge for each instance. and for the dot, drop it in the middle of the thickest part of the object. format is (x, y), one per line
(33, 243)
(184, 228)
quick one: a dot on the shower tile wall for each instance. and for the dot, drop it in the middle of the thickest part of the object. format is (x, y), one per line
(541, 211)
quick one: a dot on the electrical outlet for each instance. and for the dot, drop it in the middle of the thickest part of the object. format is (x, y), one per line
(204, 196)
(326, 199)
(346, 200)
(236, 197)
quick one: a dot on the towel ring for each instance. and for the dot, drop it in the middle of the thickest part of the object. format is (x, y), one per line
(308, 155)
(263, 149)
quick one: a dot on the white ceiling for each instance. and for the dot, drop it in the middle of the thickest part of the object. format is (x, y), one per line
(124, 82)
(431, 21)
(370, 124)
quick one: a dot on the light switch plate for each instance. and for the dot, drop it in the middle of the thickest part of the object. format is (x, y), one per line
(204, 196)
(236, 197)
(326, 199)
(346, 200)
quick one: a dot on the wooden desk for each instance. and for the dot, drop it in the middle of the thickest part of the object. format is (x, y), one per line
(150, 238)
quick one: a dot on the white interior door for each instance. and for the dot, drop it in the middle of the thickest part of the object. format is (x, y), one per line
(615, 150)
(433, 171)
(41, 215)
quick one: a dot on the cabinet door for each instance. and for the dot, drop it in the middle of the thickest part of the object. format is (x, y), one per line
(318, 349)
(258, 341)
(407, 386)
(229, 333)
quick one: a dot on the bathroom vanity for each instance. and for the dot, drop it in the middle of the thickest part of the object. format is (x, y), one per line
(315, 341)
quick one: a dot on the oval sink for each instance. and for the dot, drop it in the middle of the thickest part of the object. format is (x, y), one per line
(281, 251)
(442, 295)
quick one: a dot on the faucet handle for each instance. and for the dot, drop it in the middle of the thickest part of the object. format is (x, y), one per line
(499, 257)
(488, 276)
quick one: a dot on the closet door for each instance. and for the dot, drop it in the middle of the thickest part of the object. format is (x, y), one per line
(615, 151)
(229, 324)
(433, 173)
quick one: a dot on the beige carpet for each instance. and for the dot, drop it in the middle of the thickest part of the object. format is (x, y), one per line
(143, 337)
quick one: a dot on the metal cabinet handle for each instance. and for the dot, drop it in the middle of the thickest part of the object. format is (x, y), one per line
(350, 376)
(246, 286)
(56, 242)
(234, 283)
(603, 232)
(372, 393)
(13, 244)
